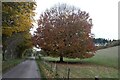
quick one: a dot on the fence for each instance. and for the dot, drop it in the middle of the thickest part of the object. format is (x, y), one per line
(56, 72)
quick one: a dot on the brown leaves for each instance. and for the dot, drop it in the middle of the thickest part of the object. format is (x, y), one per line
(65, 30)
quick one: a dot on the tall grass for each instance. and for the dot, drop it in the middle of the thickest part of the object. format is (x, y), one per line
(45, 70)
(41, 69)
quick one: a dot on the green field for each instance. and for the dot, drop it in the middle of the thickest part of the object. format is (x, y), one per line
(107, 57)
(104, 64)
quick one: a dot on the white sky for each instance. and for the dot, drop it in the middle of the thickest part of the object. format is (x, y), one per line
(104, 14)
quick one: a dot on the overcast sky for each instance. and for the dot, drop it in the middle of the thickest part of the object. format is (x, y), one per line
(104, 14)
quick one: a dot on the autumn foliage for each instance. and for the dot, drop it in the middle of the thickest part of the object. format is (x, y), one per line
(64, 31)
(17, 19)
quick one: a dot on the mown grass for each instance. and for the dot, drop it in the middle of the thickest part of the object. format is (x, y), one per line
(7, 65)
(105, 57)
(104, 64)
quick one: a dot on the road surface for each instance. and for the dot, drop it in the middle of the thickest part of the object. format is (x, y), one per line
(26, 69)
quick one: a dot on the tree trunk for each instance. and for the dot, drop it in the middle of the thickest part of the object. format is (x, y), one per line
(3, 55)
(61, 58)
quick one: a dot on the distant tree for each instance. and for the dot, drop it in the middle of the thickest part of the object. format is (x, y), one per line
(64, 31)
(101, 41)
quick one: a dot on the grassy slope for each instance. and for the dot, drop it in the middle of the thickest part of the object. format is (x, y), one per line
(107, 57)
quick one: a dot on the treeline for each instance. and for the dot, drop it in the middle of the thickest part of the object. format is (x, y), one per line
(102, 43)
(17, 19)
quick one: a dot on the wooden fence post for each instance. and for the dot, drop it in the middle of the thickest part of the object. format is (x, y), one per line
(68, 73)
(96, 78)
(56, 70)
(51, 67)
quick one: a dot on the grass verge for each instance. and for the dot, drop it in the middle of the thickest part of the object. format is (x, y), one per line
(7, 65)
(46, 70)
(41, 69)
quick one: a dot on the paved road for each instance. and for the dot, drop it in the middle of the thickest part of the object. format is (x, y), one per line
(26, 69)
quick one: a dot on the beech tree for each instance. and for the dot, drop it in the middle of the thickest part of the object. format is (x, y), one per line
(65, 31)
